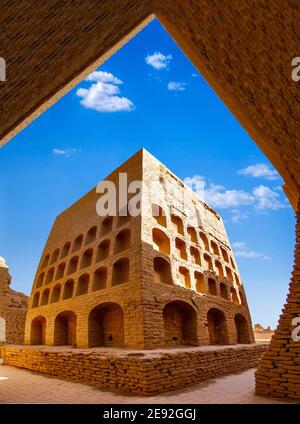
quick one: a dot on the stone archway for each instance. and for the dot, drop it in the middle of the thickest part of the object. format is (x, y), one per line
(217, 327)
(180, 324)
(242, 329)
(106, 326)
(65, 329)
(38, 331)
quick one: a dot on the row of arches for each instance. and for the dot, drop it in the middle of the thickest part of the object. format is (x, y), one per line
(93, 233)
(198, 237)
(163, 275)
(162, 243)
(122, 242)
(85, 284)
(106, 326)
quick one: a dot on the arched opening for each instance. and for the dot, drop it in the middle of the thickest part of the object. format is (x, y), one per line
(65, 250)
(161, 241)
(122, 241)
(225, 255)
(219, 269)
(120, 272)
(86, 259)
(180, 248)
(199, 282)
(195, 255)
(68, 289)
(242, 329)
(2, 330)
(45, 297)
(234, 296)
(54, 256)
(72, 267)
(212, 287)
(100, 279)
(49, 276)
(217, 327)
(177, 224)
(180, 324)
(65, 329)
(55, 295)
(242, 297)
(159, 214)
(236, 279)
(232, 263)
(45, 261)
(36, 300)
(106, 326)
(162, 271)
(60, 271)
(192, 234)
(40, 280)
(77, 243)
(91, 235)
(38, 331)
(106, 226)
(103, 250)
(184, 276)
(229, 274)
(208, 262)
(204, 241)
(214, 248)
(83, 284)
(224, 291)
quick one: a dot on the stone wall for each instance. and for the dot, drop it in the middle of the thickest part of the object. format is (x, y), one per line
(140, 372)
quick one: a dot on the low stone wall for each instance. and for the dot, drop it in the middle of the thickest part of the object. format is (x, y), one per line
(140, 372)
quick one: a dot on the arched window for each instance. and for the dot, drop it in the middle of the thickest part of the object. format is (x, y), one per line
(180, 324)
(204, 241)
(219, 269)
(192, 234)
(106, 326)
(77, 243)
(120, 272)
(103, 250)
(242, 329)
(45, 261)
(200, 282)
(49, 276)
(86, 259)
(229, 274)
(106, 226)
(177, 224)
(68, 289)
(38, 331)
(159, 215)
(55, 295)
(65, 329)
(212, 287)
(40, 280)
(180, 248)
(195, 255)
(162, 271)
(224, 291)
(60, 271)
(224, 255)
(234, 296)
(161, 241)
(217, 327)
(232, 263)
(72, 267)
(237, 280)
(122, 241)
(36, 300)
(100, 279)
(83, 284)
(45, 297)
(208, 262)
(184, 276)
(214, 248)
(65, 250)
(54, 256)
(91, 235)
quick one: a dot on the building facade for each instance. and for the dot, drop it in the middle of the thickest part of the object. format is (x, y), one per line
(161, 278)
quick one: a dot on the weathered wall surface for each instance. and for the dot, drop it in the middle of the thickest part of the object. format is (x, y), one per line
(141, 373)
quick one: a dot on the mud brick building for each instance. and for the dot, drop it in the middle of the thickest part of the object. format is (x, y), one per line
(13, 308)
(149, 281)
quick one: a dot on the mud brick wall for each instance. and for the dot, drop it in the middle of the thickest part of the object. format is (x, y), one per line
(141, 373)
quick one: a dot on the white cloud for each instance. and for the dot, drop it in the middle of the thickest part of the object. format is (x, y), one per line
(64, 152)
(240, 251)
(176, 86)
(103, 94)
(260, 170)
(238, 216)
(194, 75)
(158, 60)
(265, 198)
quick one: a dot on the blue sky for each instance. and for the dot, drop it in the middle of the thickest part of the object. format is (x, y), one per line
(148, 95)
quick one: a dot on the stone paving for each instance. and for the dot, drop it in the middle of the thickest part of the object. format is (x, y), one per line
(22, 386)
